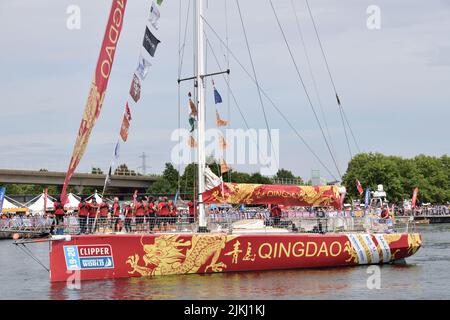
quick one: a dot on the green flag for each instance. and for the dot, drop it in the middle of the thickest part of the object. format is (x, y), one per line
(159, 2)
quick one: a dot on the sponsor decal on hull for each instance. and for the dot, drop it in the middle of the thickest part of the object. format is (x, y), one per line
(79, 257)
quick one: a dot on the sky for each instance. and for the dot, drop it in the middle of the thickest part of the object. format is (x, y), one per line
(392, 81)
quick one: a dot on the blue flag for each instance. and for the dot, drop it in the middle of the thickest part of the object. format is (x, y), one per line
(367, 197)
(116, 151)
(217, 97)
(176, 197)
(2, 197)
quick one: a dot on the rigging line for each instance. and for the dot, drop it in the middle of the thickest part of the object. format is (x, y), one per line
(257, 83)
(297, 20)
(180, 63)
(268, 98)
(304, 88)
(329, 73)
(179, 89)
(235, 100)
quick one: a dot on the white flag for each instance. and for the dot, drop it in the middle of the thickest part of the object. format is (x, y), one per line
(143, 67)
(154, 15)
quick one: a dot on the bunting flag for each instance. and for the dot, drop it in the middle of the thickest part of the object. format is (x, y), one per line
(98, 88)
(192, 143)
(359, 187)
(222, 143)
(135, 90)
(193, 107)
(45, 199)
(117, 147)
(143, 67)
(192, 123)
(108, 177)
(150, 42)
(159, 2)
(414, 197)
(217, 97)
(367, 197)
(154, 16)
(220, 122)
(125, 123)
(2, 197)
(224, 166)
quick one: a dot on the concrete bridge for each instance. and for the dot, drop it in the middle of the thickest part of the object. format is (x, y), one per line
(126, 183)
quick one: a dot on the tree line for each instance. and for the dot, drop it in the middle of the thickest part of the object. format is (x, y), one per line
(398, 175)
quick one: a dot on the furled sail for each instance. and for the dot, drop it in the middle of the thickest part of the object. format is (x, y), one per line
(290, 195)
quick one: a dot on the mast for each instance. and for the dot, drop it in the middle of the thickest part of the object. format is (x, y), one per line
(200, 88)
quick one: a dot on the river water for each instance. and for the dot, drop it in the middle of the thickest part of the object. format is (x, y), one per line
(426, 275)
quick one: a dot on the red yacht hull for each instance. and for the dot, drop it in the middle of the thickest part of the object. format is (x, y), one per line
(86, 257)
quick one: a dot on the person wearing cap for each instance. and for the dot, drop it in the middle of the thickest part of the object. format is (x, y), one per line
(83, 212)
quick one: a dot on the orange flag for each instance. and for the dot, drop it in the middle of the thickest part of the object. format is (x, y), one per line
(224, 166)
(192, 143)
(222, 143)
(220, 122)
(193, 108)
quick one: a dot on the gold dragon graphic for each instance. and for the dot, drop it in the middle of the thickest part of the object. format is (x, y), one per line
(165, 256)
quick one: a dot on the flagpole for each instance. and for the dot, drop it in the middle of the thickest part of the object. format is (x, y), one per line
(200, 72)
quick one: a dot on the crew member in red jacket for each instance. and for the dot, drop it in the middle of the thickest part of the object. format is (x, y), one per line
(191, 212)
(116, 214)
(59, 212)
(83, 212)
(151, 213)
(139, 210)
(275, 213)
(104, 211)
(128, 211)
(92, 214)
(164, 212)
(172, 212)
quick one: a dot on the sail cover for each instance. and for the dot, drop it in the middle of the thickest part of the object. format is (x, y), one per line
(289, 195)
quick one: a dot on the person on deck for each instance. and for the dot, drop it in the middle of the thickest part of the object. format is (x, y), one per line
(275, 213)
(92, 214)
(104, 211)
(83, 212)
(59, 212)
(139, 210)
(385, 213)
(128, 212)
(116, 214)
(172, 212)
(151, 213)
(191, 212)
(164, 212)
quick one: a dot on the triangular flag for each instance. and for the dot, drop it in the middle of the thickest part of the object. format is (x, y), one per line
(159, 2)
(222, 143)
(217, 97)
(192, 143)
(359, 187)
(192, 123)
(220, 122)
(224, 166)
